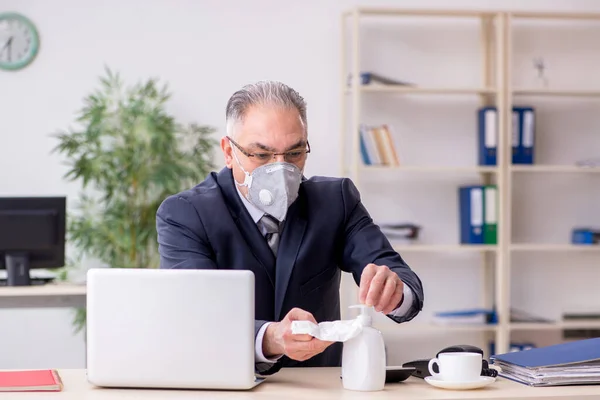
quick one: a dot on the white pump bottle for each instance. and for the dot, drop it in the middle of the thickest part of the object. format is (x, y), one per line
(363, 357)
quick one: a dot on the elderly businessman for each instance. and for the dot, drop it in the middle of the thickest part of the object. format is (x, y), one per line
(296, 234)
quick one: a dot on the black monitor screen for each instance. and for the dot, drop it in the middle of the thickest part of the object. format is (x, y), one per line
(33, 229)
(28, 229)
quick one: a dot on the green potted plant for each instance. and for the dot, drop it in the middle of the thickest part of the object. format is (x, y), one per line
(129, 154)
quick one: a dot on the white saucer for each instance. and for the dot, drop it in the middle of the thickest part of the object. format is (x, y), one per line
(481, 382)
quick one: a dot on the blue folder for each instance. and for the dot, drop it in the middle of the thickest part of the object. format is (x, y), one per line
(570, 363)
(471, 216)
(558, 354)
(525, 135)
(516, 136)
(487, 126)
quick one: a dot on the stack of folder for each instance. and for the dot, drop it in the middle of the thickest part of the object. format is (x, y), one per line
(571, 363)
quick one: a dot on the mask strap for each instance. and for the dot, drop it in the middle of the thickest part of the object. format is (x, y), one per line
(248, 178)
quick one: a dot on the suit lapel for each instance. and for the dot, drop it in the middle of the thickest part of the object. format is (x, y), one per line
(289, 246)
(247, 227)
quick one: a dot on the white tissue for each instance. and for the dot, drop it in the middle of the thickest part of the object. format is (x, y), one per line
(330, 331)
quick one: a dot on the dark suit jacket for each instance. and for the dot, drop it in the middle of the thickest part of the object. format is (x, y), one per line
(327, 229)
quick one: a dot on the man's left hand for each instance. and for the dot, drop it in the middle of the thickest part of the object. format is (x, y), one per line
(380, 287)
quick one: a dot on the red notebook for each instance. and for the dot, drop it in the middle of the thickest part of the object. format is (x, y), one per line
(30, 380)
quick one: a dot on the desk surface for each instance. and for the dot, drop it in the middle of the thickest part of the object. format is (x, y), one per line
(43, 296)
(310, 384)
(49, 289)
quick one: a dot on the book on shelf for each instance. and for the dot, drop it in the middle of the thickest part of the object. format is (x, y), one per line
(377, 145)
(570, 363)
(478, 214)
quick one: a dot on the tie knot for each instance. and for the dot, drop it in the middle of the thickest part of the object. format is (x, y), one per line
(270, 224)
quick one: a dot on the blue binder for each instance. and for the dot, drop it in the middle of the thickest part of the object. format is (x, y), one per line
(526, 135)
(516, 136)
(585, 236)
(568, 363)
(471, 214)
(487, 126)
(562, 354)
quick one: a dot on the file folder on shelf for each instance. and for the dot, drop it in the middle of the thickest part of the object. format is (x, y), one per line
(516, 136)
(524, 133)
(478, 214)
(487, 125)
(571, 363)
(471, 214)
(490, 209)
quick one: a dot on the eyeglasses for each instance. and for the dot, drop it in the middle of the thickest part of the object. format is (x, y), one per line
(262, 157)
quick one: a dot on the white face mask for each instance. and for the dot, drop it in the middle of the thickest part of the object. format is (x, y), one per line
(273, 187)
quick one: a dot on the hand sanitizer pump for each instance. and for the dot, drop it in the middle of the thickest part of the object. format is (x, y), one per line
(363, 357)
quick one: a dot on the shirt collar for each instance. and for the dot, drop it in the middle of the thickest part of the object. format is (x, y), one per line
(255, 213)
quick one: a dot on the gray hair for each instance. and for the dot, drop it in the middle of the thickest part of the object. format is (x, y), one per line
(263, 93)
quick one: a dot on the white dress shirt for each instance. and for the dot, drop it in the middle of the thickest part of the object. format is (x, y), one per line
(256, 215)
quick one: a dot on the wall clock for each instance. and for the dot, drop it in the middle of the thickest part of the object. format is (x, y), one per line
(19, 41)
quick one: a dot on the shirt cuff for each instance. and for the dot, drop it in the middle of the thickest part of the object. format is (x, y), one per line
(406, 303)
(258, 346)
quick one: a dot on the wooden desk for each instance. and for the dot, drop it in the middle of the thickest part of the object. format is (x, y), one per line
(43, 296)
(310, 384)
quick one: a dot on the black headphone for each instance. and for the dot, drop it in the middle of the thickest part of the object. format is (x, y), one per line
(487, 371)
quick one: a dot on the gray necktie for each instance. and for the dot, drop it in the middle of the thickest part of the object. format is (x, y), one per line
(270, 229)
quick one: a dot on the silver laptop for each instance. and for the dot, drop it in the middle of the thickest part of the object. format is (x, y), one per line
(186, 329)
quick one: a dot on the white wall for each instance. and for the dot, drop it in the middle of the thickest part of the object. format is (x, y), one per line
(205, 50)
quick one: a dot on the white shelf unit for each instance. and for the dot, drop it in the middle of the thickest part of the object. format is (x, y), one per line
(441, 248)
(541, 326)
(400, 89)
(489, 91)
(431, 168)
(496, 89)
(553, 247)
(569, 169)
(561, 94)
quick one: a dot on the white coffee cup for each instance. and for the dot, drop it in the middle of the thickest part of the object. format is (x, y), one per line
(457, 367)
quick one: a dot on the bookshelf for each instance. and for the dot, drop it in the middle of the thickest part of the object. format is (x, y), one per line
(441, 248)
(495, 37)
(555, 169)
(423, 90)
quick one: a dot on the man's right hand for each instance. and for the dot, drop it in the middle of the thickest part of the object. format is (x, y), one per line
(279, 339)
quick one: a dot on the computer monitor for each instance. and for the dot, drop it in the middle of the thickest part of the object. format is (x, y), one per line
(32, 235)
